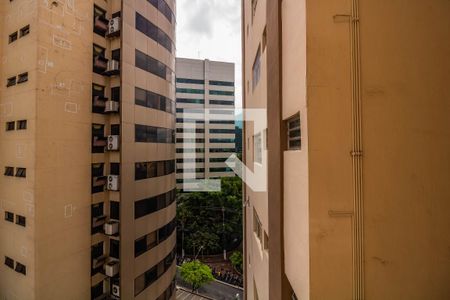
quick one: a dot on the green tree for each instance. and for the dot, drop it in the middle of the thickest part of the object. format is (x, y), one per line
(237, 260)
(196, 274)
(200, 218)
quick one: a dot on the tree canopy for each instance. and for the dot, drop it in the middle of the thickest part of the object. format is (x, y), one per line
(196, 274)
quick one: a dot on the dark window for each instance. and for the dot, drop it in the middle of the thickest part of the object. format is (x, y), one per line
(151, 240)
(190, 91)
(191, 81)
(144, 170)
(9, 171)
(11, 81)
(98, 178)
(164, 8)
(21, 268)
(24, 31)
(9, 262)
(153, 32)
(190, 130)
(21, 78)
(98, 138)
(153, 100)
(20, 220)
(97, 290)
(221, 122)
(100, 63)
(220, 141)
(231, 131)
(151, 65)
(115, 129)
(9, 216)
(115, 169)
(219, 150)
(195, 101)
(100, 21)
(222, 93)
(21, 172)
(150, 134)
(114, 248)
(256, 69)
(13, 37)
(221, 83)
(115, 54)
(190, 150)
(115, 94)
(150, 205)
(98, 99)
(97, 250)
(114, 210)
(220, 170)
(294, 133)
(10, 126)
(21, 124)
(218, 159)
(221, 102)
(98, 217)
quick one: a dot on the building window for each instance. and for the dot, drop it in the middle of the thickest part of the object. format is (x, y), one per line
(21, 268)
(114, 248)
(100, 21)
(145, 170)
(9, 262)
(114, 169)
(115, 94)
(190, 81)
(21, 124)
(190, 91)
(152, 100)
(21, 172)
(24, 31)
(115, 54)
(9, 171)
(257, 148)
(256, 69)
(114, 210)
(9, 216)
(264, 39)
(257, 226)
(100, 63)
(154, 32)
(193, 101)
(150, 134)
(10, 126)
(221, 102)
(20, 220)
(221, 93)
(153, 66)
(153, 204)
(221, 83)
(294, 133)
(11, 81)
(22, 78)
(13, 37)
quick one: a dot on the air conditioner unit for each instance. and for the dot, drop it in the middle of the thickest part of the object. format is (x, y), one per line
(113, 183)
(112, 67)
(114, 27)
(111, 228)
(112, 268)
(113, 142)
(115, 290)
(111, 106)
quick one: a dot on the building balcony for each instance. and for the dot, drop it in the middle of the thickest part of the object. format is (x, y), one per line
(101, 25)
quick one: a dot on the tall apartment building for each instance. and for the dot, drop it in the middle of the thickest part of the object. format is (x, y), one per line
(87, 149)
(205, 134)
(358, 147)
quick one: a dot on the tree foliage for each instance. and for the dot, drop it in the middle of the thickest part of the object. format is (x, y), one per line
(196, 274)
(200, 217)
(237, 260)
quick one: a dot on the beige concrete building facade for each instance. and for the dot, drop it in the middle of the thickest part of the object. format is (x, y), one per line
(358, 147)
(205, 134)
(87, 149)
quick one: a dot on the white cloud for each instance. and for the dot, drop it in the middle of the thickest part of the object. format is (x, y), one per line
(211, 29)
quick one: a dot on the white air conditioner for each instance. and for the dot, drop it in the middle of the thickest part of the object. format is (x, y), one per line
(111, 227)
(114, 26)
(111, 106)
(113, 183)
(113, 142)
(112, 268)
(112, 66)
(115, 290)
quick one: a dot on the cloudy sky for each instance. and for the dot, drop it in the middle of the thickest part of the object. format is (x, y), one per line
(211, 29)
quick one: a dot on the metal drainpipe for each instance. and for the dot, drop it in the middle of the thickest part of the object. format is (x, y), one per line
(358, 219)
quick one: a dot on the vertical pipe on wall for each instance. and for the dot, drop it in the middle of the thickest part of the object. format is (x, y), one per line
(358, 220)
